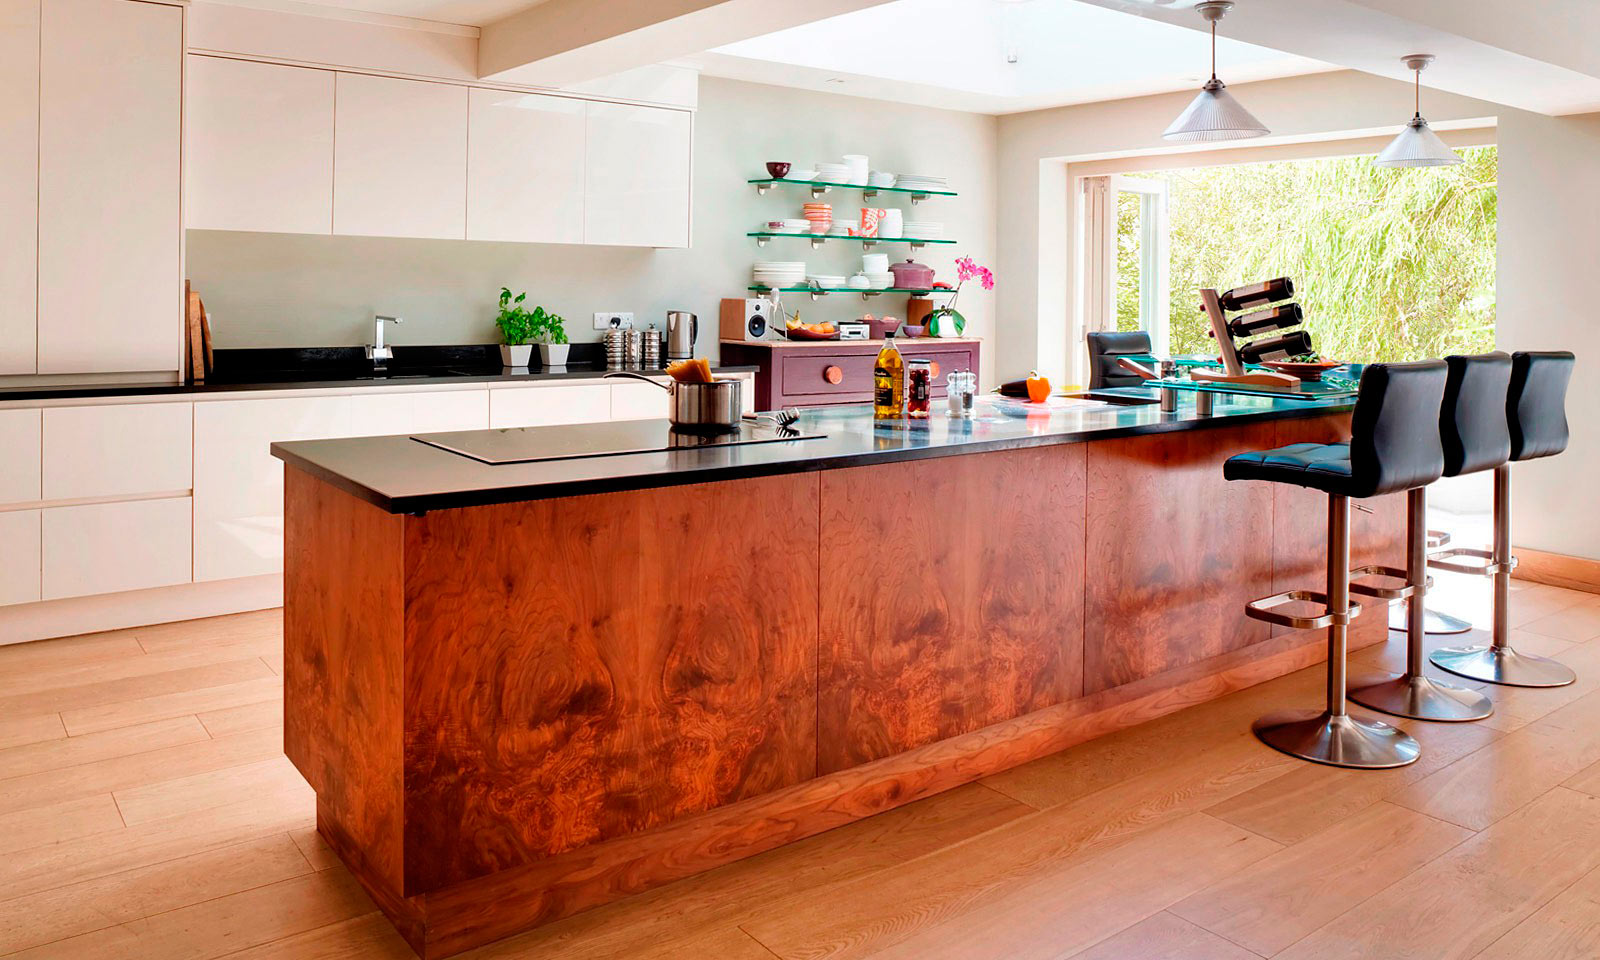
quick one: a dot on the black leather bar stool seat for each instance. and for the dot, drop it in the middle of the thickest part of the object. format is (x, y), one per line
(1536, 426)
(1473, 435)
(1105, 346)
(1394, 445)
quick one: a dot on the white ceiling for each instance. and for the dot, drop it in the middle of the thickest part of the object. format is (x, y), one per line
(954, 53)
(472, 13)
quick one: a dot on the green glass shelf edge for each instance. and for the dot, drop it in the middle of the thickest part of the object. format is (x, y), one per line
(835, 236)
(913, 291)
(853, 186)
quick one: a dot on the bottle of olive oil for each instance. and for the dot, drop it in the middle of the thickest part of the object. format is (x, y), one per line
(888, 381)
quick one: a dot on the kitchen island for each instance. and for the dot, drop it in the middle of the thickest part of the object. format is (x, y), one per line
(521, 690)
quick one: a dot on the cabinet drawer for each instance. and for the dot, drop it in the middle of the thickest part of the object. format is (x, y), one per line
(19, 556)
(639, 401)
(811, 375)
(19, 465)
(548, 406)
(119, 450)
(111, 547)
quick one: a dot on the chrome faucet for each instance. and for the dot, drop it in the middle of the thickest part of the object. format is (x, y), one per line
(376, 351)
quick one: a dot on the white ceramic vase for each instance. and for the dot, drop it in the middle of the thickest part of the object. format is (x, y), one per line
(554, 354)
(516, 356)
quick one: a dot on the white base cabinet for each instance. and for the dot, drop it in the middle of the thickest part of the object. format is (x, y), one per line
(117, 450)
(112, 547)
(19, 556)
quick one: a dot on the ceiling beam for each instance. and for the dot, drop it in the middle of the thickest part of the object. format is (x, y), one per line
(561, 42)
(1535, 57)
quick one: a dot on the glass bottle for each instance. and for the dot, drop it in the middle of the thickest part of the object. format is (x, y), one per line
(888, 381)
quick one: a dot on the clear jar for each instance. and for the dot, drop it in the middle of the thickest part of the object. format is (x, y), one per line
(919, 388)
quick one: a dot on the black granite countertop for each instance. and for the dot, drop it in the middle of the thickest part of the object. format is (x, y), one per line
(321, 368)
(402, 475)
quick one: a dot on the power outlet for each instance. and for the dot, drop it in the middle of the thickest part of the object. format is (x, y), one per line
(613, 318)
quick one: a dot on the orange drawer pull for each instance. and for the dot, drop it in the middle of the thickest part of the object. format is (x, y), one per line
(832, 374)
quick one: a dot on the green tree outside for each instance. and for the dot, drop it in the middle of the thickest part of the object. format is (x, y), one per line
(1388, 264)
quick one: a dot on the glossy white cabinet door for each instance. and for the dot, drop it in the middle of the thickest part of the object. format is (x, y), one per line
(117, 450)
(548, 406)
(260, 141)
(387, 414)
(21, 450)
(19, 185)
(400, 158)
(637, 187)
(111, 547)
(238, 485)
(638, 401)
(110, 230)
(19, 556)
(525, 167)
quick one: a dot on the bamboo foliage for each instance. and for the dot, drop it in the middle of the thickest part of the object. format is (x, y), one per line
(1389, 264)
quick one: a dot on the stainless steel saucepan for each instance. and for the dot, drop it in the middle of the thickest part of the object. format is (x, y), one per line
(713, 407)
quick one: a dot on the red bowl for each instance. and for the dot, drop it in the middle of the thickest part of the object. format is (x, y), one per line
(778, 169)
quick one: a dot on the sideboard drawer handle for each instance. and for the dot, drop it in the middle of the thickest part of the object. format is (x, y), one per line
(933, 367)
(833, 374)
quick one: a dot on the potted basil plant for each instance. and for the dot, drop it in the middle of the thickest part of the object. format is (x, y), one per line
(550, 329)
(516, 329)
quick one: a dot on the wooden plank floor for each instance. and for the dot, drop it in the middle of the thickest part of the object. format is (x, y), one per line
(146, 810)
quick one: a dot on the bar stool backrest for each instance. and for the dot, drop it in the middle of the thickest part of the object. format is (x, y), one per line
(1394, 431)
(1104, 348)
(1472, 422)
(1536, 403)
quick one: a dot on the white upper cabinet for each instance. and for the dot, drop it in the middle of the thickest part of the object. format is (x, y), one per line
(637, 191)
(525, 167)
(400, 158)
(110, 228)
(260, 147)
(19, 185)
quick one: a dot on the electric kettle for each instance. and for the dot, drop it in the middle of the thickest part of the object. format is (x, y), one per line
(682, 327)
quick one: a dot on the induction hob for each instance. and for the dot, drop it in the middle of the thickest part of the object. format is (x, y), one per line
(577, 441)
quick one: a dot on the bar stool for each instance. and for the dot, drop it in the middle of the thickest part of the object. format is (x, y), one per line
(1473, 434)
(1536, 419)
(1394, 445)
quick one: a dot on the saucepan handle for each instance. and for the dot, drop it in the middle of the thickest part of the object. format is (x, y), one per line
(639, 376)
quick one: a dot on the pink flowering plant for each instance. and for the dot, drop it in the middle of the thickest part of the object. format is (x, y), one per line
(966, 269)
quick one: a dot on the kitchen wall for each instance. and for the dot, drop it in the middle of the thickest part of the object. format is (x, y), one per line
(1548, 208)
(286, 290)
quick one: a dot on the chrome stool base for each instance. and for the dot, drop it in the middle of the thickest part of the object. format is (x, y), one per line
(1433, 622)
(1502, 665)
(1420, 698)
(1339, 741)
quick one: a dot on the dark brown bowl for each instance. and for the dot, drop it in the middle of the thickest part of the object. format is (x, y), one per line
(778, 169)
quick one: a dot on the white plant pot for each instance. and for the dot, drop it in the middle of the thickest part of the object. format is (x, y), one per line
(517, 356)
(554, 354)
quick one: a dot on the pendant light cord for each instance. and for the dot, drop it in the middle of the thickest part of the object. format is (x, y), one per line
(1213, 50)
(1418, 74)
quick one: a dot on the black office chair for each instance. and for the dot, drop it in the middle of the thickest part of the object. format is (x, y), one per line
(1104, 349)
(1472, 431)
(1536, 419)
(1394, 445)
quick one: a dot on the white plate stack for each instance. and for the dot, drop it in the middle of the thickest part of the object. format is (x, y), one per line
(916, 181)
(796, 225)
(924, 230)
(778, 273)
(827, 281)
(859, 170)
(833, 172)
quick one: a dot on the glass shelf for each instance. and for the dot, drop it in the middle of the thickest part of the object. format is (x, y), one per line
(824, 291)
(1305, 390)
(818, 239)
(820, 187)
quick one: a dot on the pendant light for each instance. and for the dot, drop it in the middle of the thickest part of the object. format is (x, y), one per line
(1417, 145)
(1214, 114)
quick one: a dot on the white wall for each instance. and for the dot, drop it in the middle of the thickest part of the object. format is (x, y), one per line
(285, 290)
(1549, 240)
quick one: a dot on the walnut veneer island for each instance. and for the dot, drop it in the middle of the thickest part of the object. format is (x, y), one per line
(522, 690)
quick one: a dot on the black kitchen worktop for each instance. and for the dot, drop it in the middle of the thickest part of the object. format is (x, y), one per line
(402, 475)
(316, 368)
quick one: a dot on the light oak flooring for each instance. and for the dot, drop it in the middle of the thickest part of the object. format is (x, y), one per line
(146, 810)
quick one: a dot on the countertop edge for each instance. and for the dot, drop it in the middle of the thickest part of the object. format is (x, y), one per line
(490, 496)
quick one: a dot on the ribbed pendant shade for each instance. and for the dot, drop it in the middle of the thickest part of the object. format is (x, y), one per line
(1417, 146)
(1215, 115)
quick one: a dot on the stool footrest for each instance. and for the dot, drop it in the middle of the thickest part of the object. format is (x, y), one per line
(1437, 538)
(1263, 609)
(1488, 568)
(1406, 589)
